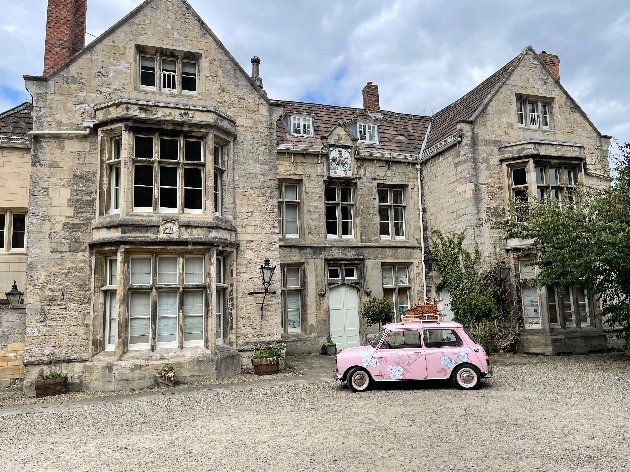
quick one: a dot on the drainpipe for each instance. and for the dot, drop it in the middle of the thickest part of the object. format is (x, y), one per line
(422, 248)
(88, 125)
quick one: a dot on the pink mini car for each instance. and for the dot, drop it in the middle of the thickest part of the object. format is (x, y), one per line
(419, 350)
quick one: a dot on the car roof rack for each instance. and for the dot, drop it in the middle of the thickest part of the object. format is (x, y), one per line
(424, 312)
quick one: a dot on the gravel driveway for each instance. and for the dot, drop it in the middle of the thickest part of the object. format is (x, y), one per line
(544, 414)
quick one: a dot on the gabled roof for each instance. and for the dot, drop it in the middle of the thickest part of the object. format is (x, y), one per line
(398, 132)
(444, 122)
(133, 14)
(16, 122)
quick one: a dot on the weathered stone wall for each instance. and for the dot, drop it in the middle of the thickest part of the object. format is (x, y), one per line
(65, 176)
(12, 326)
(313, 249)
(15, 168)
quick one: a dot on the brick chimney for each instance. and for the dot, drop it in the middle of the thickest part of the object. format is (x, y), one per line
(65, 32)
(552, 62)
(370, 98)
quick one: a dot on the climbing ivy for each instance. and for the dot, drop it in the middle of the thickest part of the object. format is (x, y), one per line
(478, 298)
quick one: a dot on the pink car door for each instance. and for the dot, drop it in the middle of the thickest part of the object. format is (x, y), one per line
(444, 350)
(400, 357)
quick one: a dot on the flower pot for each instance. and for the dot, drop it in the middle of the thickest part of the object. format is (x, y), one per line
(266, 366)
(48, 387)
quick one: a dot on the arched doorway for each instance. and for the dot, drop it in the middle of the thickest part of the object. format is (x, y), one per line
(344, 316)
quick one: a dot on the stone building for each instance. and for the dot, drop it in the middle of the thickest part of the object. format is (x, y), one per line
(162, 176)
(518, 134)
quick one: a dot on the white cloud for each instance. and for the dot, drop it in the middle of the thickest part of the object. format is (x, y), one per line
(423, 54)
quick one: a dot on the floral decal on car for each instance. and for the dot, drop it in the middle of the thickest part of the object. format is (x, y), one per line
(395, 372)
(451, 363)
(368, 359)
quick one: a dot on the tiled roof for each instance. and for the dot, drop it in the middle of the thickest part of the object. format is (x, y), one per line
(18, 121)
(398, 132)
(444, 122)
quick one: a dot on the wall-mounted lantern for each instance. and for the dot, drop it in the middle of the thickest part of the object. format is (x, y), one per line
(14, 296)
(266, 273)
(503, 271)
(429, 260)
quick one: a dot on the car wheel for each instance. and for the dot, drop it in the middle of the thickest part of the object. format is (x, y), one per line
(466, 377)
(359, 380)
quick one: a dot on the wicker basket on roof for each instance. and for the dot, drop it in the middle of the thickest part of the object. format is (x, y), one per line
(426, 312)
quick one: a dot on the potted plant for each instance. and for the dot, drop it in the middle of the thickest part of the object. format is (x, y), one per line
(266, 359)
(378, 311)
(329, 348)
(167, 376)
(55, 383)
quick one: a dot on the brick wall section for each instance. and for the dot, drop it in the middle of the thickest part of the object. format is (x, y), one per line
(552, 62)
(65, 31)
(371, 100)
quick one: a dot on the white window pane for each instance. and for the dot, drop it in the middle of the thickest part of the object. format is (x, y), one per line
(140, 270)
(293, 312)
(112, 316)
(402, 275)
(219, 312)
(167, 317)
(334, 273)
(220, 270)
(388, 276)
(293, 276)
(189, 67)
(193, 302)
(139, 318)
(350, 273)
(193, 268)
(291, 224)
(112, 271)
(167, 270)
(193, 330)
(291, 192)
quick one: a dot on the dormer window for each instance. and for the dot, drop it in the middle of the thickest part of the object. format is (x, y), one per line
(532, 113)
(368, 133)
(302, 126)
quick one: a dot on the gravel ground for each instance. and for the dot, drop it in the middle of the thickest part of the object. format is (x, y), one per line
(541, 414)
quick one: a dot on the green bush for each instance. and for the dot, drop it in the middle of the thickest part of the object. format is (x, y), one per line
(268, 353)
(377, 311)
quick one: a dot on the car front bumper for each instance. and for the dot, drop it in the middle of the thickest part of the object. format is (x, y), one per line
(488, 375)
(337, 376)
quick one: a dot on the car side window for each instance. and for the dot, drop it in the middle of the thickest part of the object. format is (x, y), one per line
(441, 338)
(402, 339)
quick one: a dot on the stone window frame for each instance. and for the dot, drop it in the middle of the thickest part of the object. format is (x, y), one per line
(340, 203)
(537, 182)
(284, 202)
(343, 272)
(161, 75)
(570, 297)
(110, 292)
(397, 286)
(220, 297)
(305, 127)
(154, 288)
(220, 170)
(158, 163)
(534, 112)
(294, 290)
(390, 206)
(9, 219)
(367, 133)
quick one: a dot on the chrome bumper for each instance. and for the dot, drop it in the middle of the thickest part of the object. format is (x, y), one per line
(488, 374)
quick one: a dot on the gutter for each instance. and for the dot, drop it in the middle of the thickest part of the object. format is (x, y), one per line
(422, 248)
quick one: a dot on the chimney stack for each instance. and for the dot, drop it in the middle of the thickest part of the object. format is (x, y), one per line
(256, 71)
(552, 62)
(65, 32)
(371, 99)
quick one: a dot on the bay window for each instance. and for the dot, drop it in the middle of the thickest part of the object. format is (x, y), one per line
(168, 175)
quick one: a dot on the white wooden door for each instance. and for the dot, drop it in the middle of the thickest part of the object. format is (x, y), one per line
(344, 317)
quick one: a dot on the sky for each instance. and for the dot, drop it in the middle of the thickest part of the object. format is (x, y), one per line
(423, 54)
